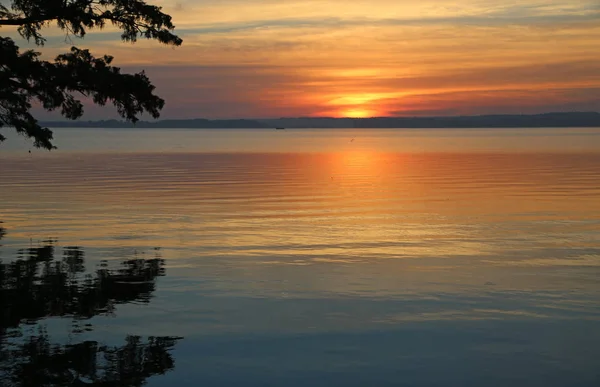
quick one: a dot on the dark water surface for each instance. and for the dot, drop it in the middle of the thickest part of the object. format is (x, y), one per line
(295, 258)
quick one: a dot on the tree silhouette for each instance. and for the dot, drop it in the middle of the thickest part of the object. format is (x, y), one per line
(38, 362)
(25, 78)
(36, 285)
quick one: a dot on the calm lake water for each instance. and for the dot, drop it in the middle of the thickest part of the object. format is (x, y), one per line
(327, 257)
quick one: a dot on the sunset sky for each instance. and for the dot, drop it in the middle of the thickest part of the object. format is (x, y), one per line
(267, 58)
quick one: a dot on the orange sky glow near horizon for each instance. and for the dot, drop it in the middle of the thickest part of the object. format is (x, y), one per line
(269, 59)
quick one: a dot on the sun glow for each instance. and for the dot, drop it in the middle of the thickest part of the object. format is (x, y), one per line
(357, 113)
(360, 105)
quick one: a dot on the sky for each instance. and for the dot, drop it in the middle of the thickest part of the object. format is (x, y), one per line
(355, 58)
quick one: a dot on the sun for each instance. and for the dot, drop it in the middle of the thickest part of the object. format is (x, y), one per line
(358, 105)
(357, 113)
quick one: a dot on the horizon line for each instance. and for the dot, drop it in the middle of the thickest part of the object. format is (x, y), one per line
(339, 118)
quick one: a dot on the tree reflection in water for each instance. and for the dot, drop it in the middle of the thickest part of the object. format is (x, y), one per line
(37, 285)
(2, 231)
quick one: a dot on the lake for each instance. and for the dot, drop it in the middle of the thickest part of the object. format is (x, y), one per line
(321, 257)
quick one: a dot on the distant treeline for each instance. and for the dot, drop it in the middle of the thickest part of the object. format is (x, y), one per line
(547, 120)
(192, 123)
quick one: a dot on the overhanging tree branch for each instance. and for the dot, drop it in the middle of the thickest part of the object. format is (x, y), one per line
(25, 78)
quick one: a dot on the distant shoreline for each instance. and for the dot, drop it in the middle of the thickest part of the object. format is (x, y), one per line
(546, 120)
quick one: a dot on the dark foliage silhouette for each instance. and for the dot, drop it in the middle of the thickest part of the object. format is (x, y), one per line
(37, 285)
(25, 78)
(39, 362)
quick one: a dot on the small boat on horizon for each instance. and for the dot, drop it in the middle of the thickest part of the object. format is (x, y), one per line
(279, 128)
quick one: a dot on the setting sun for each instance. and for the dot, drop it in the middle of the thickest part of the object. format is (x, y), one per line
(357, 113)
(359, 105)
